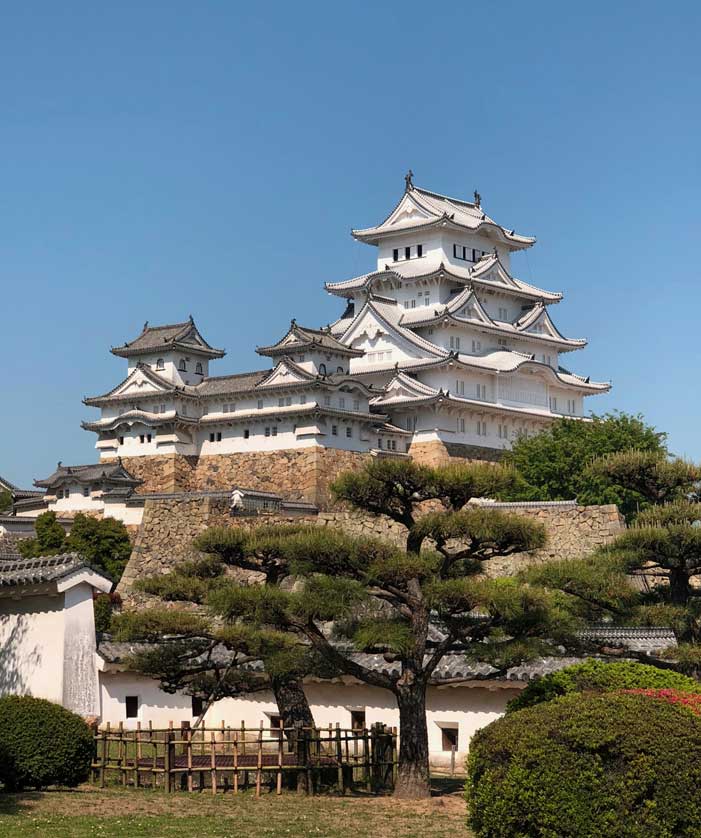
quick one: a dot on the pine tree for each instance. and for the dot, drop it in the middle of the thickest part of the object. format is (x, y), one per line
(332, 595)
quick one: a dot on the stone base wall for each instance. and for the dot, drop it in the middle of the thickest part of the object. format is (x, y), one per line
(170, 525)
(295, 474)
(439, 453)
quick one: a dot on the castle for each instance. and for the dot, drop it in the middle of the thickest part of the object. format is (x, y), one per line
(440, 352)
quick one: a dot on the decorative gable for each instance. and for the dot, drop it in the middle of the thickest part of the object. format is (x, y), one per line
(286, 372)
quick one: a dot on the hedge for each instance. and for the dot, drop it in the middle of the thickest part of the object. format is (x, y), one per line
(588, 766)
(42, 744)
(601, 676)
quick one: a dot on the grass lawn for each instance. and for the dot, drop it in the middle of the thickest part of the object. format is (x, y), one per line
(127, 813)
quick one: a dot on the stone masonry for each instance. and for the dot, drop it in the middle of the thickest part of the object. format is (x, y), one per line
(170, 524)
(296, 474)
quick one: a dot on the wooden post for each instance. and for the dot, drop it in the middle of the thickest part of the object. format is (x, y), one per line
(452, 761)
(260, 759)
(236, 763)
(395, 756)
(168, 759)
(367, 776)
(103, 766)
(122, 754)
(186, 731)
(281, 736)
(339, 759)
(213, 745)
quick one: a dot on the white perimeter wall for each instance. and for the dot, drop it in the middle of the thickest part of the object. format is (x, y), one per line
(467, 708)
(31, 646)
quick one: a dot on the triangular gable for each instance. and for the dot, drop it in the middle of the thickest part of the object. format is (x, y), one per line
(402, 386)
(370, 325)
(285, 372)
(408, 212)
(538, 322)
(491, 270)
(471, 309)
(141, 381)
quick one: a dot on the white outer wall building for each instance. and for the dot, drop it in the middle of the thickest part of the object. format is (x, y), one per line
(465, 707)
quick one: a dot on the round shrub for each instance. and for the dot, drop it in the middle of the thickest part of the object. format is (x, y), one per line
(690, 701)
(42, 744)
(588, 766)
(600, 676)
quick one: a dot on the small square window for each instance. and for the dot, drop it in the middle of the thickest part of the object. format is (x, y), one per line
(341, 402)
(218, 436)
(246, 433)
(267, 431)
(148, 437)
(211, 437)
(131, 704)
(260, 404)
(302, 399)
(121, 440)
(356, 404)
(449, 738)
(358, 721)
(141, 438)
(395, 254)
(274, 430)
(197, 706)
(86, 492)
(334, 430)
(349, 431)
(281, 402)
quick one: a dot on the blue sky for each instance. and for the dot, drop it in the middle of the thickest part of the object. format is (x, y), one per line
(161, 159)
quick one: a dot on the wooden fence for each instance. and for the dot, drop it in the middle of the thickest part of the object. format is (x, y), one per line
(229, 759)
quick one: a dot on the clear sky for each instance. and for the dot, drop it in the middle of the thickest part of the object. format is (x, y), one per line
(165, 158)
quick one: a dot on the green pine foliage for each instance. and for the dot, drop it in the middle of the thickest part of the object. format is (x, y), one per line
(587, 766)
(42, 744)
(595, 675)
(50, 538)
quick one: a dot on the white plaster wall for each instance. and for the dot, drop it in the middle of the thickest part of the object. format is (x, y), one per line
(81, 692)
(31, 646)
(467, 708)
(122, 512)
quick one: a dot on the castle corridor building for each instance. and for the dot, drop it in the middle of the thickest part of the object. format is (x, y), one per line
(440, 351)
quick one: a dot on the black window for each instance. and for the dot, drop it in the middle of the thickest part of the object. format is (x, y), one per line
(449, 736)
(419, 250)
(197, 706)
(131, 703)
(322, 369)
(141, 438)
(121, 440)
(198, 368)
(218, 436)
(349, 431)
(274, 429)
(358, 719)
(339, 369)
(148, 437)
(267, 431)
(246, 433)
(211, 437)
(407, 253)
(334, 430)
(395, 253)
(160, 365)
(86, 491)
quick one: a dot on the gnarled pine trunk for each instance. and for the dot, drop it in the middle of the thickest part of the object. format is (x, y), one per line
(413, 779)
(679, 587)
(295, 714)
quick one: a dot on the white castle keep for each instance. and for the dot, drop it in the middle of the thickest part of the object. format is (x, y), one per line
(440, 343)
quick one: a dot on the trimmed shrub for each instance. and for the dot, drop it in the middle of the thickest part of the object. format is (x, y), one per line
(42, 744)
(588, 766)
(599, 676)
(690, 701)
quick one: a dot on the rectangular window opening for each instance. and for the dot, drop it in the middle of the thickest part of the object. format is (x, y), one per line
(131, 704)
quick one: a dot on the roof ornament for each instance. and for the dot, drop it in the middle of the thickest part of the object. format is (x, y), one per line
(59, 464)
(190, 318)
(408, 181)
(495, 251)
(145, 327)
(478, 199)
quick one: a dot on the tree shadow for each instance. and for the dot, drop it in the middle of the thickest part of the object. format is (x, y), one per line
(446, 786)
(16, 660)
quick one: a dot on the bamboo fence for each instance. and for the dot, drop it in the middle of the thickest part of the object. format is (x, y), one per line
(229, 758)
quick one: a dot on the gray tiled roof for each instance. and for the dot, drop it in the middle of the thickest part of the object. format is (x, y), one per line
(16, 573)
(154, 338)
(459, 667)
(111, 473)
(305, 337)
(225, 384)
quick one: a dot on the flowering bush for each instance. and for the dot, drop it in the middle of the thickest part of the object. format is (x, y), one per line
(691, 701)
